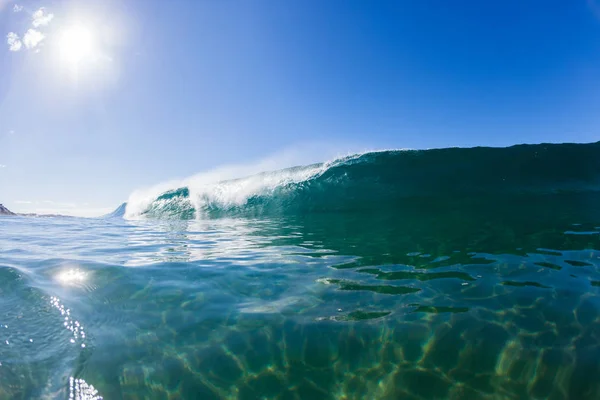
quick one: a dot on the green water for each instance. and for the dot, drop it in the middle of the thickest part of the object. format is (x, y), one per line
(490, 295)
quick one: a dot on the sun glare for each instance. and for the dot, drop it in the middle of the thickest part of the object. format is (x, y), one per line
(76, 45)
(71, 276)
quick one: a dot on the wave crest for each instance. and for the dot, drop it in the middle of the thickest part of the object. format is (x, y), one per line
(384, 179)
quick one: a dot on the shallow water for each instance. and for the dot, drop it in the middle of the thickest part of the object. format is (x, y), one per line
(478, 298)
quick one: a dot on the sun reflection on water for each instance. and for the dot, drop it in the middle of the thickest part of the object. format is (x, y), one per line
(70, 323)
(81, 390)
(71, 276)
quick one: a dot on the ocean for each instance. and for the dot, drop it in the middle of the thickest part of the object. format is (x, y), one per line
(437, 274)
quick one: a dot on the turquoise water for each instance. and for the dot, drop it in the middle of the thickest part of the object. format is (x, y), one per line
(475, 279)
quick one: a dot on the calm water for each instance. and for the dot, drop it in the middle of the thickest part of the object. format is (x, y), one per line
(489, 299)
(443, 274)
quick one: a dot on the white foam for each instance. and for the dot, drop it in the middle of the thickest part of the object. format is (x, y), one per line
(223, 186)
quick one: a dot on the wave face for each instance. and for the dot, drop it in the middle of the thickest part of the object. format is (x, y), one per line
(119, 212)
(386, 179)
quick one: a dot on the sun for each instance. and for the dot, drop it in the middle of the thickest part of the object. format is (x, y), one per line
(76, 45)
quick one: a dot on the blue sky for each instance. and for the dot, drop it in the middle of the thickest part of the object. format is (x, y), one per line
(165, 89)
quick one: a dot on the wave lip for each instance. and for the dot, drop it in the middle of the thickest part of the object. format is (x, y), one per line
(200, 198)
(384, 180)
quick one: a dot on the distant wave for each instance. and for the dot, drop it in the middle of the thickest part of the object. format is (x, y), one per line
(383, 179)
(119, 212)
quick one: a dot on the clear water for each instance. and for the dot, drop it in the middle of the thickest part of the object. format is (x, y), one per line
(442, 274)
(489, 299)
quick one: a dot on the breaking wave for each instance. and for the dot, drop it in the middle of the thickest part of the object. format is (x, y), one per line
(379, 180)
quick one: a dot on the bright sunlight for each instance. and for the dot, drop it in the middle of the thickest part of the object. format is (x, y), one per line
(76, 45)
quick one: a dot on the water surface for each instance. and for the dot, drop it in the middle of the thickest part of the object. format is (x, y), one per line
(490, 295)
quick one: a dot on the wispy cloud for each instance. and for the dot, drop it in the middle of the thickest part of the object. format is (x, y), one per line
(11, 132)
(74, 212)
(56, 207)
(2, 166)
(32, 38)
(13, 41)
(41, 18)
(17, 8)
(60, 204)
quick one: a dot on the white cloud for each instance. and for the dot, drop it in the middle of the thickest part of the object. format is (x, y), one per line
(23, 202)
(32, 38)
(13, 41)
(2, 166)
(11, 132)
(41, 18)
